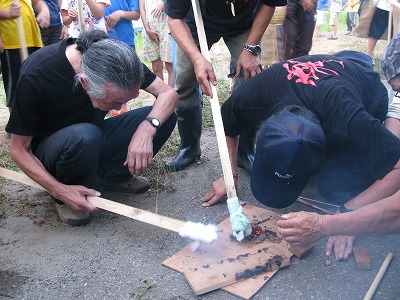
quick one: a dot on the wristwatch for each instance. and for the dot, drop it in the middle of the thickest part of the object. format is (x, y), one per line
(154, 122)
(254, 49)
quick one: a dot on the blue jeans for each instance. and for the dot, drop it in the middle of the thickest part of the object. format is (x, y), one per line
(77, 153)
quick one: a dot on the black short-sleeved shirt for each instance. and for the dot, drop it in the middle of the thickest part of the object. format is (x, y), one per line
(217, 15)
(47, 98)
(348, 99)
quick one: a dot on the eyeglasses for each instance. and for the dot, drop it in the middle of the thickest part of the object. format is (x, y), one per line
(397, 94)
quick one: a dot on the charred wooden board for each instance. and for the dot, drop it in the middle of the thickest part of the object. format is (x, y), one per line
(240, 268)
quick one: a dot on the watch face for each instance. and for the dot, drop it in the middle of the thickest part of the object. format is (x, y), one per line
(155, 122)
(257, 50)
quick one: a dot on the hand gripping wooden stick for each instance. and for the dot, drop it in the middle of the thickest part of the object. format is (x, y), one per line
(241, 226)
(23, 50)
(195, 231)
(378, 277)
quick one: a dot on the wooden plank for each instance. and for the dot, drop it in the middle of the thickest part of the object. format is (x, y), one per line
(362, 258)
(301, 251)
(215, 265)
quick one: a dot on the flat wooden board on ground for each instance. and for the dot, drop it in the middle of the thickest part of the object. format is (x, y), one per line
(217, 265)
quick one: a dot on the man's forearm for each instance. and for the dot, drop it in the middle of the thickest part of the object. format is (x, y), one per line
(260, 24)
(381, 189)
(183, 37)
(382, 217)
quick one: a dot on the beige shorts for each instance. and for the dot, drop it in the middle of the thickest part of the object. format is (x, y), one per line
(333, 19)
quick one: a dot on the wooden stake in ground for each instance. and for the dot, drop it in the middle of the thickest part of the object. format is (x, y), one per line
(379, 276)
(241, 226)
(23, 50)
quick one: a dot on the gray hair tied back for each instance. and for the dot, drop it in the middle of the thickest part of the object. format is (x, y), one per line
(106, 60)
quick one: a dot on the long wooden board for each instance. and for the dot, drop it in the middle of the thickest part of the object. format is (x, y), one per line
(218, 264)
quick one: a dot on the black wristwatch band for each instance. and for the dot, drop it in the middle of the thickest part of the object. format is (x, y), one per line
(344, 209)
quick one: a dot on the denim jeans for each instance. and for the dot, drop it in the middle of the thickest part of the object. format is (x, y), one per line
(77, 153)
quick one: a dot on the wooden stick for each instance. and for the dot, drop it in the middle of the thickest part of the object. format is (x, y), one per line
(80, 15)
(115, 207)
(379, 276)
(215, 108)
(301, 200)
(23, 50)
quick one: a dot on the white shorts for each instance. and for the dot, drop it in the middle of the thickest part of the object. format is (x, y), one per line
(321, 17)
(394, 108)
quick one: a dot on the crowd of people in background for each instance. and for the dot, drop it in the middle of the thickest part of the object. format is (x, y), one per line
(84, 33)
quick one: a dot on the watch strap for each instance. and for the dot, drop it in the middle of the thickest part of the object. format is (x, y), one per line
(344, 209)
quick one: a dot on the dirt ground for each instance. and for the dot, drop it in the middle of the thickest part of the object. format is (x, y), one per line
(114, 257)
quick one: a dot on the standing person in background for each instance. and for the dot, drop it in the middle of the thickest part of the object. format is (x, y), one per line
(379, 23)
(156, 42)
(93, 11)
(322, 10)
(336, 8)
(119, 17)
(299, 27)
(57, 30)
(241, 24)
(10, 45)
(351, 8)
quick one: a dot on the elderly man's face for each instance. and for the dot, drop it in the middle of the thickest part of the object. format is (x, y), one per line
(395, 84)
(114, 98)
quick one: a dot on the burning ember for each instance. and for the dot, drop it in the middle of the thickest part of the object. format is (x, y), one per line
(255, 233)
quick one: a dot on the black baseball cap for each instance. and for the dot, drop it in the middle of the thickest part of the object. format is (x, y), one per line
(289, 149)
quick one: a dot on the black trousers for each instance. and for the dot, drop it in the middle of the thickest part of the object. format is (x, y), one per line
(299, 29)
(77, 153)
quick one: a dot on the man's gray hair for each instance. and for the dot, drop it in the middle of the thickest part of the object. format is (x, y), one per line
(107, 60)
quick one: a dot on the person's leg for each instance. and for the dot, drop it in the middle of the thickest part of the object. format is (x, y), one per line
(170, 70)
(378, 26)
(291, 27)
(157, 67)
(245, 156)
(341, 178)
(189, 112)
(71, 154)
(306, 21)
(118, 133)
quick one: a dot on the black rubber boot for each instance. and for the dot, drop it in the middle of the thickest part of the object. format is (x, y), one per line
(189, 127)
(246, 149)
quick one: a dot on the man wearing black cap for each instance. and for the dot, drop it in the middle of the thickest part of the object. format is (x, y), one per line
(318, 114)
(374, 213)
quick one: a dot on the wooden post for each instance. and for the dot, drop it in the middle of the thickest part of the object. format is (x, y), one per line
(23, 50)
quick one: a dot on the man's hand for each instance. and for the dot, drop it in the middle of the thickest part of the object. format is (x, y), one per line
(113, 19)
(205, 74)
(140, 149)
(43, 19)
(15, 10)
(301, 228)
(308, 5)
(249, 63)
(75, 196)
(217, 192)
(339, 244)
(64, 32)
